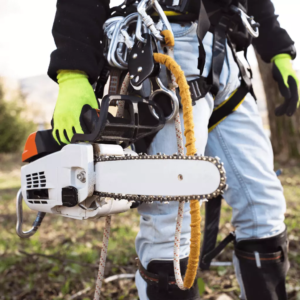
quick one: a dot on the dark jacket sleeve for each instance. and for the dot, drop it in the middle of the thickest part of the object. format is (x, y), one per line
(77, 32)
(273, 39)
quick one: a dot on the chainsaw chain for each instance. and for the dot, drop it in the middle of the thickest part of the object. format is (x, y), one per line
(165, 199)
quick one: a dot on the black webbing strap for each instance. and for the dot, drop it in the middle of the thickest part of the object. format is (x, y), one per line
(208, 257)
(219, 53)
(102, 80)
(202, 29)
(211, 228)
(123, 9)
(182, 5)
(225, 108)
(228, 106)
(212, 82)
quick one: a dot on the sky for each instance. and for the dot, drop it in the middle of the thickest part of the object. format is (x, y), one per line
(26, 40)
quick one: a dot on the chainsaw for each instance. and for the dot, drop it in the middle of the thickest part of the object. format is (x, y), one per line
(99, 175)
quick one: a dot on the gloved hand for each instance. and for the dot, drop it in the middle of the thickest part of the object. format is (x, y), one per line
(288, 83)
(75, 91)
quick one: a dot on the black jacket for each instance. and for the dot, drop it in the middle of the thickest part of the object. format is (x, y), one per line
(77, 32)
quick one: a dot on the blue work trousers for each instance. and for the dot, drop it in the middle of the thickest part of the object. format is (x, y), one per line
(255, 193)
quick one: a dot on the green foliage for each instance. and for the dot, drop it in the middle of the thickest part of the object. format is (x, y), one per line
(14, 128)
(201, 286)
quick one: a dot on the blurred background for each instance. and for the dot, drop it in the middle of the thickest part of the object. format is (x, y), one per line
(60, 262)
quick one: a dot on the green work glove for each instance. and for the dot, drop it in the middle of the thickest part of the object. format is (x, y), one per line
(75, 91)
(288, 83)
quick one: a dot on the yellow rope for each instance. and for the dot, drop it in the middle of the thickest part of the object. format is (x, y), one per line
(189, 133)
(169, 38)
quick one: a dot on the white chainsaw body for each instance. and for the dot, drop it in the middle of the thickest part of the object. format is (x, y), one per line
(61, 169)
(124, 173)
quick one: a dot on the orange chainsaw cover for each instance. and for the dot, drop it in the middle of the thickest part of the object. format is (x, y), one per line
(30, 148)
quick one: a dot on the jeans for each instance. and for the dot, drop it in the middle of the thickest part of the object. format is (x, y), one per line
(255, 193)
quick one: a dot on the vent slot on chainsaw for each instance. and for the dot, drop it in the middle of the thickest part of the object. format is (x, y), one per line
(36, 180)
(38, 202)
(37, 194)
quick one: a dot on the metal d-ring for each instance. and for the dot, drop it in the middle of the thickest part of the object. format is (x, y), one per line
(36, 224)
(170, 94)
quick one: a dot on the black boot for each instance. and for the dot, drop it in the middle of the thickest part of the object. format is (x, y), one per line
(161, 283)
(263, 265)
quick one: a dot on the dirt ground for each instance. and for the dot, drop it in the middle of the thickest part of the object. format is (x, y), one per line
(61, 260)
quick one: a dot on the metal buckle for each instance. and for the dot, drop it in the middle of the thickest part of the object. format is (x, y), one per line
(172, 96)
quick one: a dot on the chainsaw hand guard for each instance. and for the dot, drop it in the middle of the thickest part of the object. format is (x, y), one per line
(127, 130)
(36, 224)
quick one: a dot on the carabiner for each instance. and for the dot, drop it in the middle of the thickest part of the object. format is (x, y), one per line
(248, 22)
(138, 31)
(142, 10)
(115, 40)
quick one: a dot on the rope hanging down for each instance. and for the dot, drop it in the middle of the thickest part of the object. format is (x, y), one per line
(189, 133)
(103, 255)
(191, 272)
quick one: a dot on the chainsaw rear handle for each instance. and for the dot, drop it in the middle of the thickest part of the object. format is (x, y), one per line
(36, 224)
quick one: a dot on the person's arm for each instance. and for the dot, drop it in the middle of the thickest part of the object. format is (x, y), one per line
(273, 39)
(76, 62)
(77, 32)
(275, 45)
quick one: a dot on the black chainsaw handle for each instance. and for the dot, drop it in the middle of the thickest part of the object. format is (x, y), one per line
(96, 121)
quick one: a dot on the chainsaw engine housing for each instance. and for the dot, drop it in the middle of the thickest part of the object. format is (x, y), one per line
(63, 183)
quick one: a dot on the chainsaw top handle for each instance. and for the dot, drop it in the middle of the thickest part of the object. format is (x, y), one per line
(107, 128)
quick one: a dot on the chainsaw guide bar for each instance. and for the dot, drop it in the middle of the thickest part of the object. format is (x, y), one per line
(163, 199)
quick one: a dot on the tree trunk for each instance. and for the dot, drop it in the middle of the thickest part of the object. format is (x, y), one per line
(285, 131)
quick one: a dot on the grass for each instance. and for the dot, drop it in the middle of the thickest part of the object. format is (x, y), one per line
(61, 260)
